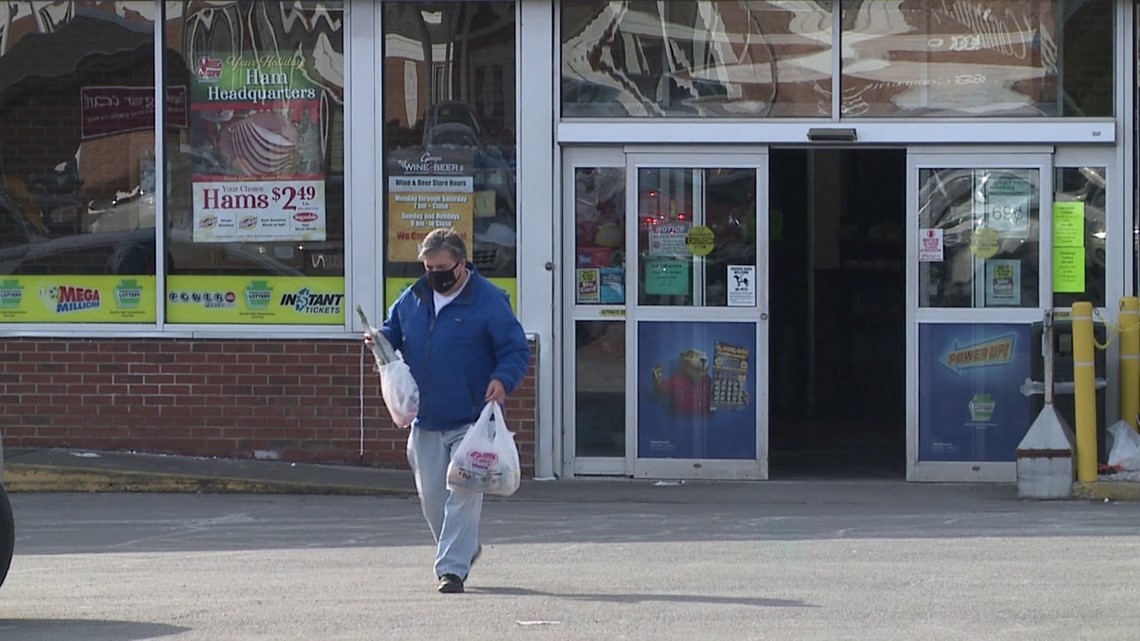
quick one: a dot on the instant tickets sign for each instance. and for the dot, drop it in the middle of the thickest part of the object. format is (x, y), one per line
(281, 300)
(419, 204)
(77, 299)
(259, 162)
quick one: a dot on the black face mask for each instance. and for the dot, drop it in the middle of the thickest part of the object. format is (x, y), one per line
(442, 281)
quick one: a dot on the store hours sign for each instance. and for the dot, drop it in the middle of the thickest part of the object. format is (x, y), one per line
(255, 131)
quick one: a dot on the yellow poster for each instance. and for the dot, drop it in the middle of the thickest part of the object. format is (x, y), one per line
(1069, 224)
(419, 204)
(700, 241)
(77, 299)
(1069, 270)
(1069, 247)
(985, 243)
(269, 300)
(393, 287)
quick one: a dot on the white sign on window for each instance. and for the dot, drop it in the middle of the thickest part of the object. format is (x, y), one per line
(742, 286)
(1007, 205)
(930, 246)
(668, 239)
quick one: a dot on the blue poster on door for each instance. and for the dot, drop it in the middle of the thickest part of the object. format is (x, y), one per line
(970, 403)
(696, 390)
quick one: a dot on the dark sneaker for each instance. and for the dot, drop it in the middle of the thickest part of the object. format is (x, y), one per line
(450, 584)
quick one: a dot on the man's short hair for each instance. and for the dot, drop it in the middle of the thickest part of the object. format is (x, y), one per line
(444, 239)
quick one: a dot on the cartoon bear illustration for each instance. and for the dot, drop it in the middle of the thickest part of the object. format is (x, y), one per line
(688, 391)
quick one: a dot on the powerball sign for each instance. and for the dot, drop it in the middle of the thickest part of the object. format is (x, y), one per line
(259, 211)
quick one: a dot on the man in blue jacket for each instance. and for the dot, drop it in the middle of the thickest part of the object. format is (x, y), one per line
(465, 348)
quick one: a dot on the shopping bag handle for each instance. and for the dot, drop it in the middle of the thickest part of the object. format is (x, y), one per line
(492, 411)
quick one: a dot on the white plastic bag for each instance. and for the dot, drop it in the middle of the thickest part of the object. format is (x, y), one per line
(397, 386)
(400, 392)
(1125, 449)
(487, 459)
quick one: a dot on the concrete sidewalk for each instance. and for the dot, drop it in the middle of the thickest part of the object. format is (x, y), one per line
(63, 470)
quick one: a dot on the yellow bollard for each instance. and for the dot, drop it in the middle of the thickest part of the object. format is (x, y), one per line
(1084, 377)
(1129, 359)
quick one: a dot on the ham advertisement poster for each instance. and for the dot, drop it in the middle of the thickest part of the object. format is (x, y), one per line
(258, 154)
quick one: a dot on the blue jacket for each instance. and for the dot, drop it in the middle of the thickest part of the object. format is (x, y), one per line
(454, 356)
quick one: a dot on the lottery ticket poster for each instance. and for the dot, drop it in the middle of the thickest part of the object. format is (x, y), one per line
(731, 386)
(696, 390)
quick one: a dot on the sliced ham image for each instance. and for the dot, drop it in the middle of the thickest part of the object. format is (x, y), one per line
(262, 144)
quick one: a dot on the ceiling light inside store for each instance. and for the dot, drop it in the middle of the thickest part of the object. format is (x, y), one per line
(432, 17)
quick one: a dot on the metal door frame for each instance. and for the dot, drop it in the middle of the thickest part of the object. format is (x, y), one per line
(1039, 158)
(631, 158)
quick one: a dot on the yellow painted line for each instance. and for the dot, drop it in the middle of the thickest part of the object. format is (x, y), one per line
(47, 478)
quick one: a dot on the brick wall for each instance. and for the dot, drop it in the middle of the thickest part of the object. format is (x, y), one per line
(298, 400)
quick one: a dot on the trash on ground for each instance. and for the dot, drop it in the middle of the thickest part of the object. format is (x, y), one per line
(1124, 450)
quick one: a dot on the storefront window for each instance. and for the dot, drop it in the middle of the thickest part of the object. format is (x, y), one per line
(449, 135)
(958, 58)
(1079, 236)
(979, 235)
(683, 58)
(255, 162)
(76, 140)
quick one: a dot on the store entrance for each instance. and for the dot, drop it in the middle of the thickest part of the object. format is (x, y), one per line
(837, 356)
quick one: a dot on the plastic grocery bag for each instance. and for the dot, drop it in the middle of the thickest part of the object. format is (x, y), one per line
(487, 459)
(399, 389)
(1125, 449)
(397, 386)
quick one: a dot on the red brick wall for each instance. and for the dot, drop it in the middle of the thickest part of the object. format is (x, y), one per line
(223, 398)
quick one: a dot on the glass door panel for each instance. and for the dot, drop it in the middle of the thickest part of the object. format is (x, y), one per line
(599, 384)
(981, 227)
(696, 239)
(697, 329)
(1081, 230)
(599, 235)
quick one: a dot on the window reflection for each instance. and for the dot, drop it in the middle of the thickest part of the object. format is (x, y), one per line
(959, 58)
(988, 253)
(449, 114)
(76, 137)
(718, 58)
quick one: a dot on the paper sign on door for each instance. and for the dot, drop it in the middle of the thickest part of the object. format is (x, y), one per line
(930, 246)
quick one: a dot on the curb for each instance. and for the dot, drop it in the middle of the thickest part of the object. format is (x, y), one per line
(47, 478)
(1107, 490)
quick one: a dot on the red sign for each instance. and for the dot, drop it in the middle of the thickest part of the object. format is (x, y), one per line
(113, 110)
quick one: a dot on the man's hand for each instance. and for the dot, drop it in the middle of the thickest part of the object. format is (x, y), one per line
(496, 392)
(368, 340)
